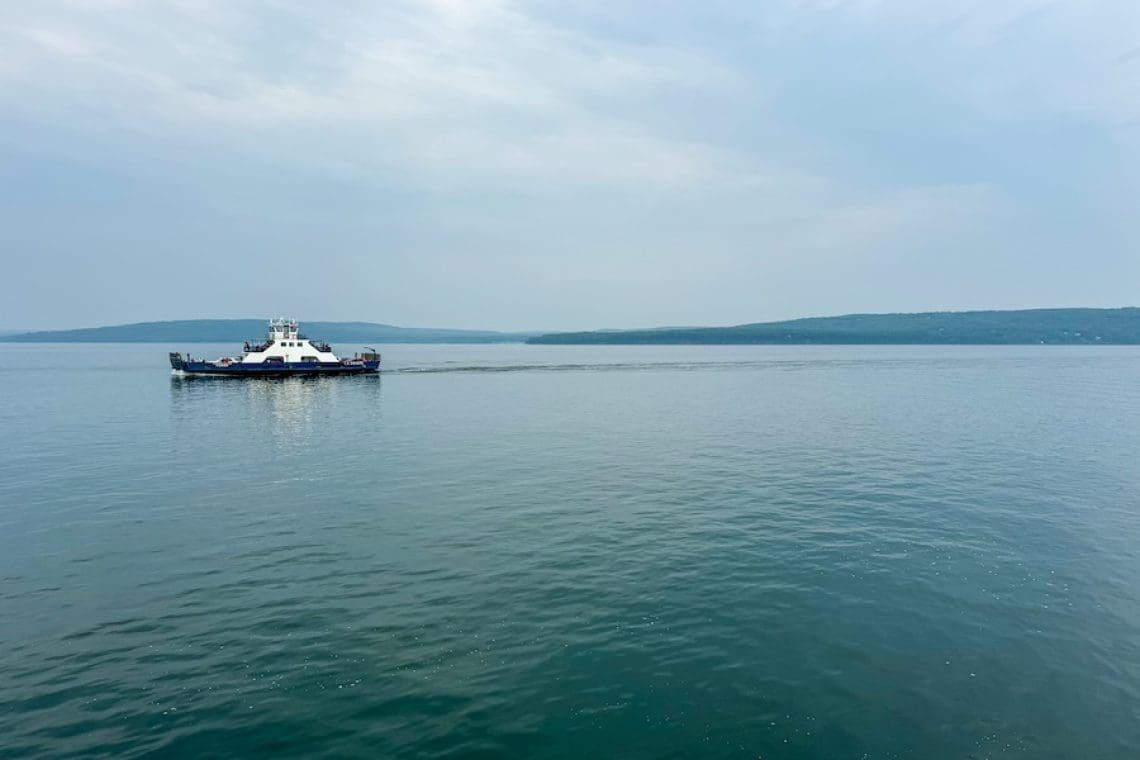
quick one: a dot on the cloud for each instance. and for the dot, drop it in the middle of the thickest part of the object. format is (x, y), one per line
(735, 148)
(474, 87)
(494, 91)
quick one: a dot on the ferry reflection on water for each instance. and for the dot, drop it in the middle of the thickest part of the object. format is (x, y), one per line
(292, 411)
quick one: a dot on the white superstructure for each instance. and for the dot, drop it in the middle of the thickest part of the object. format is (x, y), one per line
(285, 344)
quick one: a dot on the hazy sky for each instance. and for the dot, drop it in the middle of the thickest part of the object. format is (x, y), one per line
(558, 165)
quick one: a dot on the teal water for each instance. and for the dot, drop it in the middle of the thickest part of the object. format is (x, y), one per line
(526, 551)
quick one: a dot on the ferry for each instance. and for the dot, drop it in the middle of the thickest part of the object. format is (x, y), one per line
(284, 353)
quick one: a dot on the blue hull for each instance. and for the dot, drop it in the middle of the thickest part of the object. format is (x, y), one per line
(283, 369)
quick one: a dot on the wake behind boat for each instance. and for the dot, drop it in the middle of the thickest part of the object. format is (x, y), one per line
(285, 352)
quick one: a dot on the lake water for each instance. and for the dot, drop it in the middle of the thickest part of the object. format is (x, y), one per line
(524, 551)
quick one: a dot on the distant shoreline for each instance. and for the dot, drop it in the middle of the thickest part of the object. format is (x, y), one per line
(239, 330)
(1075, 326)
(1022, 327)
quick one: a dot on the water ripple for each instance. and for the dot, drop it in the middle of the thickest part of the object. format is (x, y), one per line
(801, 553)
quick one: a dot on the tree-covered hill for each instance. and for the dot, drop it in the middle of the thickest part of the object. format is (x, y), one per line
(1049, 326)
(238, 330)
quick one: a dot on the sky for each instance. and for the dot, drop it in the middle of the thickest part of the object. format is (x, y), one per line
(564, 165)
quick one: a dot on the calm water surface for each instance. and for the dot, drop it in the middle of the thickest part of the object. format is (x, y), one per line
(523, 551)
